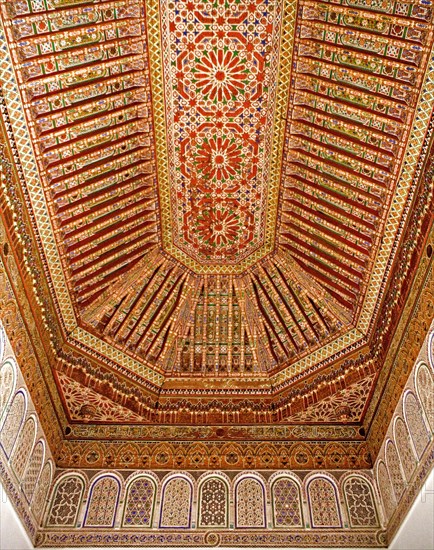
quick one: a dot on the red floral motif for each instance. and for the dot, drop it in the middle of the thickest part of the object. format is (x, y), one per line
(220, 75)
(219, 158)
(218, 227)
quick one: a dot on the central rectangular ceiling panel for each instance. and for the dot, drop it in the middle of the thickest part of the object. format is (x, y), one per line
(223, 78)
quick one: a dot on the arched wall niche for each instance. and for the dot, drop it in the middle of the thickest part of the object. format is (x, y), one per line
(14, 420)
(213, 500)
(424, 384)
(176, 501)
(359, 494)
(419, 432)
(8, 377)
(322, 494)
(141, 491)
(286, 500)
(250, 499)
(66, 499)
(102, 503)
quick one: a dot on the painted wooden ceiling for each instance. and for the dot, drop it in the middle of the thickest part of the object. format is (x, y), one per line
(219, 187)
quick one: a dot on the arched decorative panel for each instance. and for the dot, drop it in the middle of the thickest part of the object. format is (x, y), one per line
(103, 501)
(213, 503)
(7, 385)
(66, 501)
(41, 490)
(33, 469)
(405, 451)
(250, 503)
(323, 503)
(386, 490)
(13, 422)
(359, 499)
(416, 424)
(23, 447)
(176, 503)
(425, 390)
(286, 500)
(139, 503)
(394, 467)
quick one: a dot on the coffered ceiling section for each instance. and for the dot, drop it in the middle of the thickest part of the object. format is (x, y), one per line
(224, 180)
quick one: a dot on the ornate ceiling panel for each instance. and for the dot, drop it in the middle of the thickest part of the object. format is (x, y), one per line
(218, 191)
(226, 71)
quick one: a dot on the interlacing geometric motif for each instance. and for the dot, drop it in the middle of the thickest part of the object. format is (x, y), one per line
(139, 503)
(416, 424)
(405, 451)
(177, 497)
(324, 506)
(286, 503)
(103, 500)
(7, 378)
(23, 447)
(66, 502)
(33, 470)
(361, 507)
(425, 390)
(221, 61)
(213, 499)
(86, 404)
(352, 400)
(394, 467)
(12, 423)
(250, 503)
